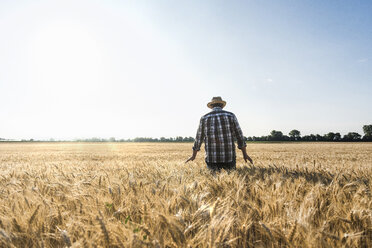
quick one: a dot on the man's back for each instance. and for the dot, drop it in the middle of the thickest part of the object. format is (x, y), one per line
(218, 129)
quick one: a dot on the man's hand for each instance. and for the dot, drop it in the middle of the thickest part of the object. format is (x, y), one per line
(245, 155)
(192, 157)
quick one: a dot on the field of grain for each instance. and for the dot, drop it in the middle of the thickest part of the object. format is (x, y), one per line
(143, 195)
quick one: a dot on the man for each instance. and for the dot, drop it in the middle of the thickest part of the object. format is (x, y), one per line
(218, 129)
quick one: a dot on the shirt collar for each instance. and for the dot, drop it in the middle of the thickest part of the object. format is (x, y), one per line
(217, 108)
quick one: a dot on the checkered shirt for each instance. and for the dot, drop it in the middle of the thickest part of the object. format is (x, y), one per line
(218, 129)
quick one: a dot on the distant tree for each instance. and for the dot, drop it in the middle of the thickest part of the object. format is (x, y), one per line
(276, 135)
(189, 139)
(352, 136)
(262, 138)
(141, 139)
(306, 138)
(329, 136)
(310, 137)
(367, 129)
(337, 137)
(112, 139)
(295, 134)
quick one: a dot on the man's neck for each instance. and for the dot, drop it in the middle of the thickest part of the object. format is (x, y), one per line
(217, 108)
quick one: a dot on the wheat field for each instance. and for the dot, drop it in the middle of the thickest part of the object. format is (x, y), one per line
(143, 195)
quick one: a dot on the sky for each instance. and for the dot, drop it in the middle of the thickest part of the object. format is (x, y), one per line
(125, 69)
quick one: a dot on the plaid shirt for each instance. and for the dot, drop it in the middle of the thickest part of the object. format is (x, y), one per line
(218, 129)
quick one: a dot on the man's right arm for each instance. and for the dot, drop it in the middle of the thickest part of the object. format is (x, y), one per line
(198, 140)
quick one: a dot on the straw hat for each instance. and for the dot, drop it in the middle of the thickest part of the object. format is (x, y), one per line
(216, 99)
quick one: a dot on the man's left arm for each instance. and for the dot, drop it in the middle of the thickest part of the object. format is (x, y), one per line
(240, 139)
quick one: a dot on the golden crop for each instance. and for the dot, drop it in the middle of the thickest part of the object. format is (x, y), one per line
(143, 195)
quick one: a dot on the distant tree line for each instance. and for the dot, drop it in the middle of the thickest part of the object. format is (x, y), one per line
(295, 135)
(274, 135)
(140, 139)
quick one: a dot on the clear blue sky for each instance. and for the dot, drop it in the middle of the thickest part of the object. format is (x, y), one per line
(76, 69)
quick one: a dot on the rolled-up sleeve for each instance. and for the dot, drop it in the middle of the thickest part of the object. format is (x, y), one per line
(199, 136)
(238, 133)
